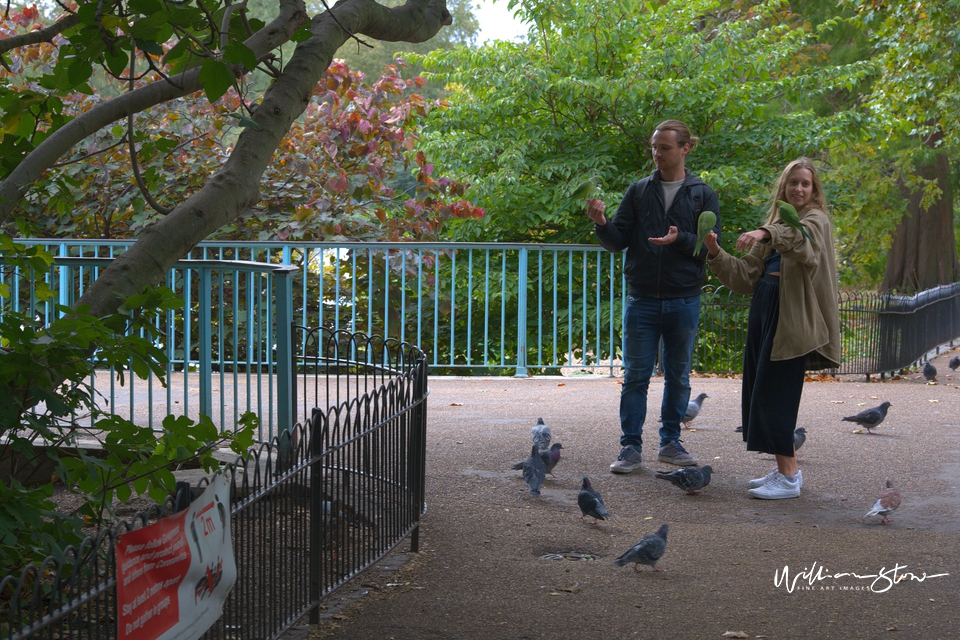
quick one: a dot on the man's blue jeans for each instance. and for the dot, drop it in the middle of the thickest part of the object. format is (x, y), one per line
(647, 320)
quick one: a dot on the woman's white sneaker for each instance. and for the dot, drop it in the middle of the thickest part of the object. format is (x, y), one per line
(777, 489)
(759, 482)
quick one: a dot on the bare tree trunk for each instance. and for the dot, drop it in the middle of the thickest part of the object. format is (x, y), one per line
(923, 254)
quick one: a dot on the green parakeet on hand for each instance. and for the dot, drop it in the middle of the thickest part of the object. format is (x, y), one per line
(582, 192)
(791, 218)
(706, 222)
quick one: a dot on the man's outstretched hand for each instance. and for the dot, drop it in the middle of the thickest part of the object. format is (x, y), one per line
(667, 239)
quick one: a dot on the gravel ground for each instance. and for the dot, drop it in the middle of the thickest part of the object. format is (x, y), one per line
(481, 571)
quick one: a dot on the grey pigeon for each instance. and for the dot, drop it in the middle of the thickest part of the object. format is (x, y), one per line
(591, 504)
(929, 372)
(534, 471)
(541, 434)
(647, 551)
(799, 437)
(693, 410)
(690, 479)
(954, 363)
(550, 457)
(887, 502)
(870, 418)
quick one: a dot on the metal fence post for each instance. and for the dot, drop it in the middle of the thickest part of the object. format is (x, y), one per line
(314, 553)
(522, 316)
(205, 327)
(283, 299)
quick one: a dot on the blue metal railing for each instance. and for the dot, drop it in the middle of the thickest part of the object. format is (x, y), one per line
(223, 346)
(473, 308)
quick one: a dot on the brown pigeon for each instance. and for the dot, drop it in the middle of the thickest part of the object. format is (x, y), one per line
(887, 502)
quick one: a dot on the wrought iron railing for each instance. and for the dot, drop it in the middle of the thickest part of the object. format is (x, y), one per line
(309, 510)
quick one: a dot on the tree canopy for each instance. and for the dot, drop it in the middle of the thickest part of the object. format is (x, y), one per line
(760, 83)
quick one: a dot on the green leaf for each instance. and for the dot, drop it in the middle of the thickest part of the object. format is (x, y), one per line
(123, 492)
(116, 61)
(302, 34)
(216, 78)
(244, 121)
(150, 46)
(239, 53)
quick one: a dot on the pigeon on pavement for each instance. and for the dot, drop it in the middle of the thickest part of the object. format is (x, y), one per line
(799, 437)
(954, 363)
(534, 471)
(693, 409)
(870, 418)
(647, 551)
(591, 504)
(550, 457)
(929, 372)
(887, 502)
(690, 479)
(541, 434)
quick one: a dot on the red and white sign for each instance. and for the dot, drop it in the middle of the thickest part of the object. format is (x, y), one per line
(174, 575)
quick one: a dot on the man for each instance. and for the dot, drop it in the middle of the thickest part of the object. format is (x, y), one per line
(657, 222)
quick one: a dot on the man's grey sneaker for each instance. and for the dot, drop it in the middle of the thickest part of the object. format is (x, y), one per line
(674, 453)
(628, 460)
(777, 489)
(759, 482)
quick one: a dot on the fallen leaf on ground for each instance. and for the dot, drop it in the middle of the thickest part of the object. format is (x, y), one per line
(562, 384)
(734, 634)
(456, 404)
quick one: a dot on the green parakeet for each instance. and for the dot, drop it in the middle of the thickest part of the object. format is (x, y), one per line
(706, 222)
(791, 218)
(582, 192)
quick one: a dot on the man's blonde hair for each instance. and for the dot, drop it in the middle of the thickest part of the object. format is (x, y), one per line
(683, 133)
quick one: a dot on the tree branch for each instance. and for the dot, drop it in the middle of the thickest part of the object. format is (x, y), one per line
(292, 15)
(235, 187)
(46, 34)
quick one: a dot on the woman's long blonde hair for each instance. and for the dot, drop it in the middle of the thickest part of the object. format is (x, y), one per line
(818, 200)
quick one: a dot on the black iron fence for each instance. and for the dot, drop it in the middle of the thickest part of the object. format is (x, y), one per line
(309, 510)
(880, 333)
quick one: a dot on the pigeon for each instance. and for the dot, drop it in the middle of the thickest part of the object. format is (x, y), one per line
(690, 479)
(550, 457)
(887, 502)
(541, 434)
(799, 437)
(693, 409)
(647, 551)
(870, 418)
(929, 372)
(591, 504)
(954, 363)
(534, 471)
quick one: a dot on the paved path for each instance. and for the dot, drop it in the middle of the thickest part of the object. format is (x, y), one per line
(481, 572)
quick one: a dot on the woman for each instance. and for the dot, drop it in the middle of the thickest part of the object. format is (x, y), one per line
(793, 324)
